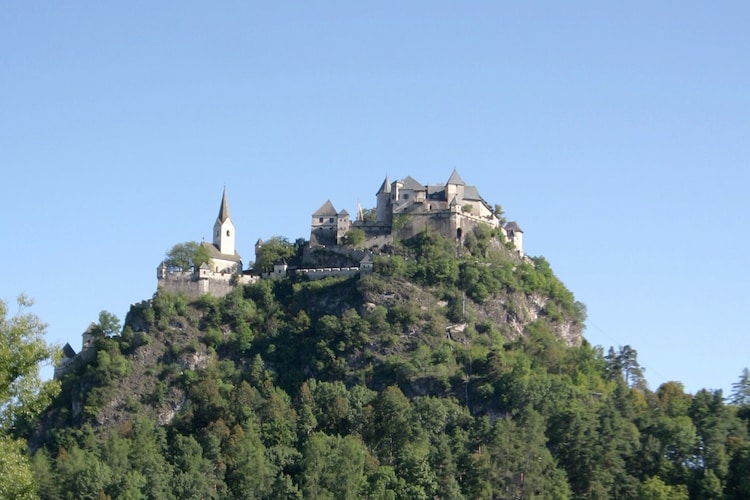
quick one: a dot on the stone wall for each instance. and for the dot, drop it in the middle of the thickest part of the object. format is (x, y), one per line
(192, 285)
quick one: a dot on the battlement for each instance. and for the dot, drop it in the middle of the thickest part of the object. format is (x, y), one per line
(195, 283)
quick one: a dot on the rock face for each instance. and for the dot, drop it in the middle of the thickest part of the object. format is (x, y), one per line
(517, 311)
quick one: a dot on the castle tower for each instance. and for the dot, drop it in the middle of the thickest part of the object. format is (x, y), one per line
(224, 228)
(455, 186)
(384, 210)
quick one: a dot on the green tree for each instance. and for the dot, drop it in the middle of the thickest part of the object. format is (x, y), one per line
(741, 390)
(22, 393)
(273, 251)
(354, 237)
(184, 256)
(22, 350)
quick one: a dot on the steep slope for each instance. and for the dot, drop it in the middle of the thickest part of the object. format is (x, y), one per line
(447, 373)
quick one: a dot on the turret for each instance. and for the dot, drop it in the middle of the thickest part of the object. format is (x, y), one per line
(384, 210)
(455, 186)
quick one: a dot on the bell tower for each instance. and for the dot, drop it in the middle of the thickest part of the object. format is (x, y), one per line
(224, 228)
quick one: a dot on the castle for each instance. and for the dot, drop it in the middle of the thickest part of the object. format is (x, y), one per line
(404, 208)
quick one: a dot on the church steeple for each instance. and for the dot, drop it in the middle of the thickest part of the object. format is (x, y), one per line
(224, 228)
(224, 209)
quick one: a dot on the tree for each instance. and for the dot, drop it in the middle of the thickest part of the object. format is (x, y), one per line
(354, 237)
(369, 215)
(184, 256)
(272, 252)
(624, 365)
(22, 349)
(109, 324)
(741, 390)
(22, 393)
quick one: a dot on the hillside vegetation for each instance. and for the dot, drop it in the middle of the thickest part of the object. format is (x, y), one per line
(447, 373)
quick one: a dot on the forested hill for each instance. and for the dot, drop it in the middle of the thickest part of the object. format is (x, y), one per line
(447, 373)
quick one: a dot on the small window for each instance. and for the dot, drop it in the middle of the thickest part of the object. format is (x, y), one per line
(406, 196)
(320, 220)
(227, 232)
(330, 221)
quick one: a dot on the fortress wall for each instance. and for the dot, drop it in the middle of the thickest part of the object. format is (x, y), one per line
(183, 283)
(320, 273)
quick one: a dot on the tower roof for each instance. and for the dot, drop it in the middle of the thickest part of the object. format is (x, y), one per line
(385, 187)
(224, 209)
(513, 226)
(411, 183)
(456, 179)
(327, 210)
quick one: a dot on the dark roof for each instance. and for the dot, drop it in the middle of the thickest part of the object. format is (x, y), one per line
(456, 179)
(343, 213)
(513, 226)
(411, 183)
(327, 210)
(216, 254)
(385, 187)
(224, 208)
(68, 351)
(90, 329)
(471, 193)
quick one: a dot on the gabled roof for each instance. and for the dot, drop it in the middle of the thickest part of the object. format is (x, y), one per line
(216, 254)
(327, 210)
(224, 209)
(454, 201)
(68, 352)
(513, 226)
(411, 183)
(343, 213)
(385, 187)
(456, 179)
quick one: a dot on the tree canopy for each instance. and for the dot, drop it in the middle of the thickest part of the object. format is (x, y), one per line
(188, 255)
(22, 393)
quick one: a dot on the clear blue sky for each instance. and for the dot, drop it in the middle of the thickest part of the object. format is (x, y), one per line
(615, 133)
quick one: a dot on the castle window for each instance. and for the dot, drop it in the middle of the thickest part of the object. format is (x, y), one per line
(330, 220)
(320, 220)
(406, 196)
(227, 232)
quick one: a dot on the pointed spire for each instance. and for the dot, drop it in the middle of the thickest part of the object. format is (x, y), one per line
(224, 209)
(385, 187)
(456, 179)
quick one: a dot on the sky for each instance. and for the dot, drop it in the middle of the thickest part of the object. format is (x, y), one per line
(614, 133)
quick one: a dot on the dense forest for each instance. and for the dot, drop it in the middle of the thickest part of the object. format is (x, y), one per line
(450, 372)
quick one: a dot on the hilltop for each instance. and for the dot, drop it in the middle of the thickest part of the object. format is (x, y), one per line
(423, 367)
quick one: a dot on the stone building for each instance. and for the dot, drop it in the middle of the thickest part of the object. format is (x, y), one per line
(406, 207)
(221, 274)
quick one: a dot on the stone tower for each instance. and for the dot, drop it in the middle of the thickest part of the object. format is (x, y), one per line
(224, 229)
(384, 210)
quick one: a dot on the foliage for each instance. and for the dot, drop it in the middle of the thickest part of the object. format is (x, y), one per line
(188, 255)
(22, 349)
(22, 393)
(274, 251)
(401, 384)
(354, 237)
